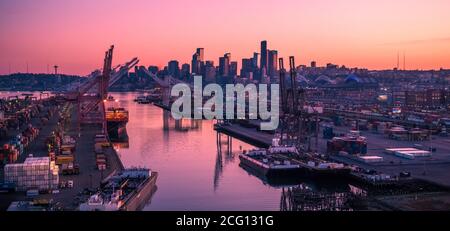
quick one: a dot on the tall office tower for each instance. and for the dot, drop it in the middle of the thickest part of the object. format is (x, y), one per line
(195, 64)
(198, 61)
(247, 66)
(224, 65)
(264, 55)
(210, 72)
(173, 69)
(272, 66)
(313, 64)
(202, 68)
(200, 52)
(233, 69)
(255, 60)
(185, 71)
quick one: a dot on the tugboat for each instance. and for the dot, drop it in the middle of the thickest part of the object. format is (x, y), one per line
(116, 122)
(128, 190)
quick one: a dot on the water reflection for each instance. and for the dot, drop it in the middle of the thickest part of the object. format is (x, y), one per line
(225, 155)
(199, 169)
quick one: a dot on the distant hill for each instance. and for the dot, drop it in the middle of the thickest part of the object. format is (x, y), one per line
(35, 82)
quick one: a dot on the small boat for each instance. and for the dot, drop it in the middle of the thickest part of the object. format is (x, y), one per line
(110, 98)
(143, 100)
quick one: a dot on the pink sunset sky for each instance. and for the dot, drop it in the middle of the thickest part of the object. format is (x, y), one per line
(74, 34)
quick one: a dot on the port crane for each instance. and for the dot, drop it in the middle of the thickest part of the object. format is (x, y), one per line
(292, 102)
(296, 117)
(91, 93)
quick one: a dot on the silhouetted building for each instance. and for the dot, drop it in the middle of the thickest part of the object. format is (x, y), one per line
(185, 71)
(197, 61)
(331, 66)
(210, 72)
(264, 55)
(272, 66)
(173, 69)
(313, 64)
(255, 60)
(153, 69)
(201, 53)
(247, 67)
(233, 69)
(224, 65)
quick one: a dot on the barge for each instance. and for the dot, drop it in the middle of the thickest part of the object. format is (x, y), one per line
(288, 161)
(268, 164)
(128, 190)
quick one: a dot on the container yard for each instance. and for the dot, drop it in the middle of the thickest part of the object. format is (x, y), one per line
(36, 173)
(58, 148)
(57, 170)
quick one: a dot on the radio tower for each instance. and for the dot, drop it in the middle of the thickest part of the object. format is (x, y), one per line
(56, 69)
(404, 61)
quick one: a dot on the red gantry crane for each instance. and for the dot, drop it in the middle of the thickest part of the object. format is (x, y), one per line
(92, 93)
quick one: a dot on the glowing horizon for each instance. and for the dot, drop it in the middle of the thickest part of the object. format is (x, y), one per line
(75, 33)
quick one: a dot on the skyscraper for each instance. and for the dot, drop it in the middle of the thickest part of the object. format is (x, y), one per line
(200, 52)
(233, 69)
(195, 64)
(185, 74)
(264, 55)
(255, 60)
(198, 61)
(272, 66)
(313, 64)
(210, 72)
(173, 69)
(247, 66)
(224, 65)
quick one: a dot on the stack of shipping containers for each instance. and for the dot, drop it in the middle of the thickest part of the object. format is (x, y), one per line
(34, 174)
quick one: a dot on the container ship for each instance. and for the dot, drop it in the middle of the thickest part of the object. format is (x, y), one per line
(128, 190)
(116, 122)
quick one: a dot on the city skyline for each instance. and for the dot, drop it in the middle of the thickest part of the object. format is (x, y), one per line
(355, 34)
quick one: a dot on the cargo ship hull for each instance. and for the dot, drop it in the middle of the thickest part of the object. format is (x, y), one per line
(117, 131)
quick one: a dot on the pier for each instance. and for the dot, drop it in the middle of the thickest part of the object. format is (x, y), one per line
(248, 135)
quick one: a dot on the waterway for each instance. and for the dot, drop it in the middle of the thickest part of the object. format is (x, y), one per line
(195, 171)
